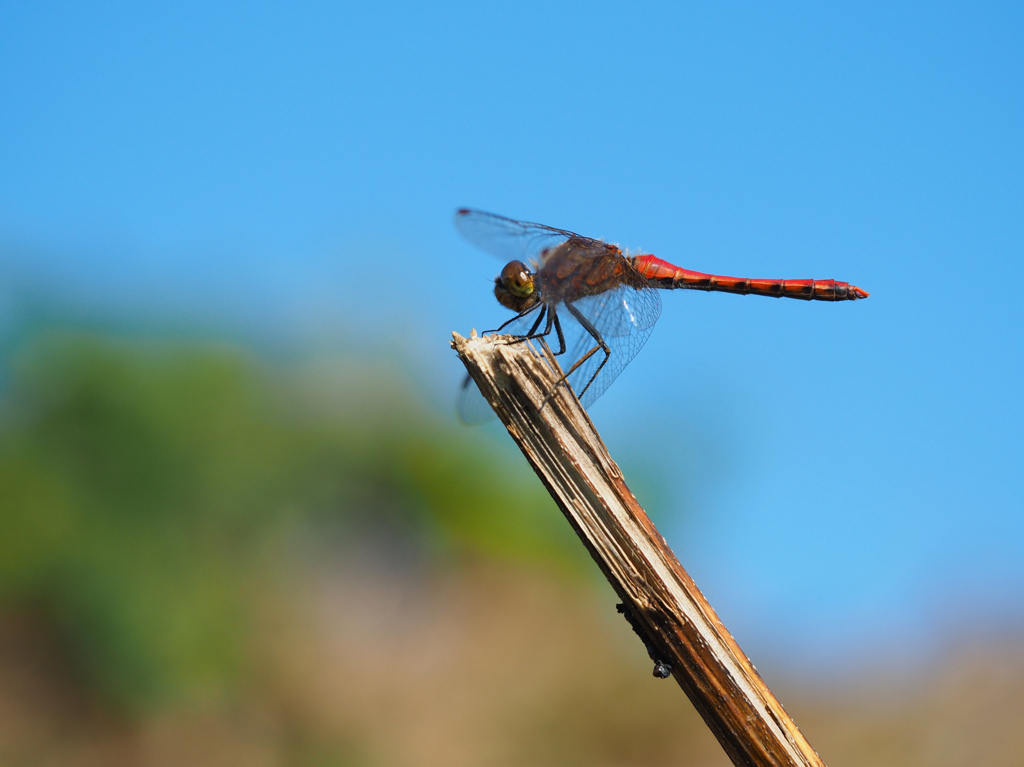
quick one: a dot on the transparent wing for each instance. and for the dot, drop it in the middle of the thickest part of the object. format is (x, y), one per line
(509, 239)
(625, 318)
(470, 404)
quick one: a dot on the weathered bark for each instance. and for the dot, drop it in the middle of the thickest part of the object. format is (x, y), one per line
(659, 598)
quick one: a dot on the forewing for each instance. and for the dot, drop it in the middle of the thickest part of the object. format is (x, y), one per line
(625, 318)
(507, 238)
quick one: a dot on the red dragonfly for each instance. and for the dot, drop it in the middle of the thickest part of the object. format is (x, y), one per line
(609, 298)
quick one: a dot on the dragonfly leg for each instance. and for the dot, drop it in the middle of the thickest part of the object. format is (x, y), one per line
(561, 338)
(589, 327)
(540, 317)
(532, 330)
(552, 321)
(532, 334)
(601, 346)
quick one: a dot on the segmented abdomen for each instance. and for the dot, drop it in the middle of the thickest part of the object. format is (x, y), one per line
(662, 274)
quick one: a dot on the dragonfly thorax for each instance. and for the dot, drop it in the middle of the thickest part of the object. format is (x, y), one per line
(515, 288)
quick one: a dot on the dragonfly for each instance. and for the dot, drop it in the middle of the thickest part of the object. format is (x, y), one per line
(595, 303)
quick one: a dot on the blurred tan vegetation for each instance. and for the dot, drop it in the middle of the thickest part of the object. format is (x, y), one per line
(207, 558)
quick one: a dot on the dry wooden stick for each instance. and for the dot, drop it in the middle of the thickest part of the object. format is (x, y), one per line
(679, 628)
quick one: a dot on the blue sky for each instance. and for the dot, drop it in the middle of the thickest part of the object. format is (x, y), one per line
(851, 473)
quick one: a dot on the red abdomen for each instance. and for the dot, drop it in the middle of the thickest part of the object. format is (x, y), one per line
(662, 274)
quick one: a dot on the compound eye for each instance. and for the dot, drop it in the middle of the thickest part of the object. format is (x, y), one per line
(516, 279)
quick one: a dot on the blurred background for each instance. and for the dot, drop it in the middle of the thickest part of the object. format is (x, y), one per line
(239, 521)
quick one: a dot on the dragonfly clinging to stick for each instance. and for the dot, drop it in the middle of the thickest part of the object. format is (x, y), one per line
(594, 303)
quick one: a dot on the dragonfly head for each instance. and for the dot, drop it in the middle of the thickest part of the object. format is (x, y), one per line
(514, 287)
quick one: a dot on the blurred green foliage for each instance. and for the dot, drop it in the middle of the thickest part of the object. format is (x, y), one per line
(151, 491)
